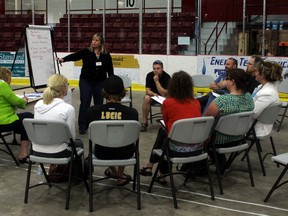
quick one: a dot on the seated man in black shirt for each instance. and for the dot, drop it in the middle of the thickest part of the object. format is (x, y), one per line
(156, 84)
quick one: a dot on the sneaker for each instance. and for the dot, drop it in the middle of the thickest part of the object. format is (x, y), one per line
(82, 131)
(143, 127)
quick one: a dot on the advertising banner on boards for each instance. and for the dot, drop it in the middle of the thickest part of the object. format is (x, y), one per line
(7, 58)
(215, 65)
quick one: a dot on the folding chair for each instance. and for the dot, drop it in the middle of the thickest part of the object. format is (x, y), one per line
(268, 116)
(189, 131)
(234, 125)
(114, 134)
(283, 95)
(50, 132)
(4, 142)
(157, 115)
(202, 82)
(282, 160)
(127, 85)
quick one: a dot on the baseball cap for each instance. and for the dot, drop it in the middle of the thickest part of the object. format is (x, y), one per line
(114, 85)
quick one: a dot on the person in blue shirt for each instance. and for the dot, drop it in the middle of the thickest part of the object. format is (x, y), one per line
(219, 84)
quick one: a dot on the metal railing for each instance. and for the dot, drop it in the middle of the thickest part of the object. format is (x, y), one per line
(217, 34)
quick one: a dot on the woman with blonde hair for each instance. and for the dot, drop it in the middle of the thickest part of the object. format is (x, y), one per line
(9, 119)
(267, 73)
(97, 66)
(53, 107)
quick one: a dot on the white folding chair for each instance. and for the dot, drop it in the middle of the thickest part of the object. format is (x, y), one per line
(234, 125)
(189, 131)
(282, 160)
(268, 116)
(283, 96)
(114, 134)
(127, 85)
(51, 132)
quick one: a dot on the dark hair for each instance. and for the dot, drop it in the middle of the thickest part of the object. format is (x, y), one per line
(114, 88)
(257, 59)
(235, 62)
(158, 62)
(272, 71)
(240, 77)
(180, 86)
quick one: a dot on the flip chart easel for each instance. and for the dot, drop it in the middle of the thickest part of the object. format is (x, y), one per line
(40, 54)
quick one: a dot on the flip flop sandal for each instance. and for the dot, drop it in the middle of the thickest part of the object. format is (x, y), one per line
(109, 174)
(160, 180)
(127, 178)
(144, 171)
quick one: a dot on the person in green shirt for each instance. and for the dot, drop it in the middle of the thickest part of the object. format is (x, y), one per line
(9, 119)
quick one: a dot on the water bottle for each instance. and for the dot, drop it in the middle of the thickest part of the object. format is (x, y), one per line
(40, 175)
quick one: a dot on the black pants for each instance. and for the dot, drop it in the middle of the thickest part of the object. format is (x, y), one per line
(17, 126)
(65, 153)
(159, 144)
(88, 90)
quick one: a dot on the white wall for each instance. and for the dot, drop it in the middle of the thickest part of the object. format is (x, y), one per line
(171, 64)
(191, 64)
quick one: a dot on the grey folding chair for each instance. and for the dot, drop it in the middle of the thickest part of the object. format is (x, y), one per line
(127, 85)
(114, 134)
(50, 132)
(282, 160)
(234, 125)
(268, 116)
(283, 90)
(189, 131)
(202, 82)
(6, 144)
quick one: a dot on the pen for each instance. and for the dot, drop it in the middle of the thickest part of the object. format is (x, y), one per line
(24, 93)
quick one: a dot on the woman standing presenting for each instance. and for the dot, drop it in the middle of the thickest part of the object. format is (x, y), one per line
(97, 64)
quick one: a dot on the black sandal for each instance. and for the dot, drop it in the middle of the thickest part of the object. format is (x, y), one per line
(127, 178)
(161, 180)
(144, 171)
(109, 174)
(25, 160)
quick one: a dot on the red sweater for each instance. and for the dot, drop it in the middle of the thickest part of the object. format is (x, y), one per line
(173, 110)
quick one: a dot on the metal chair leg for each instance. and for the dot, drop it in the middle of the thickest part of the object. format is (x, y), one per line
(27, 182)
(260, 157)
(276, 184)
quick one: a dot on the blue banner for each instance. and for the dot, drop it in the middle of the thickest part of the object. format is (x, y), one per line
(7, 58)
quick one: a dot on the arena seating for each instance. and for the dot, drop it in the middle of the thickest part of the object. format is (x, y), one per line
(12, 26)
(122, 31)
(121, 34)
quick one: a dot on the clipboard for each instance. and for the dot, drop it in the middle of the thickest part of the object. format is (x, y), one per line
(159, 99)
(162, 124)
